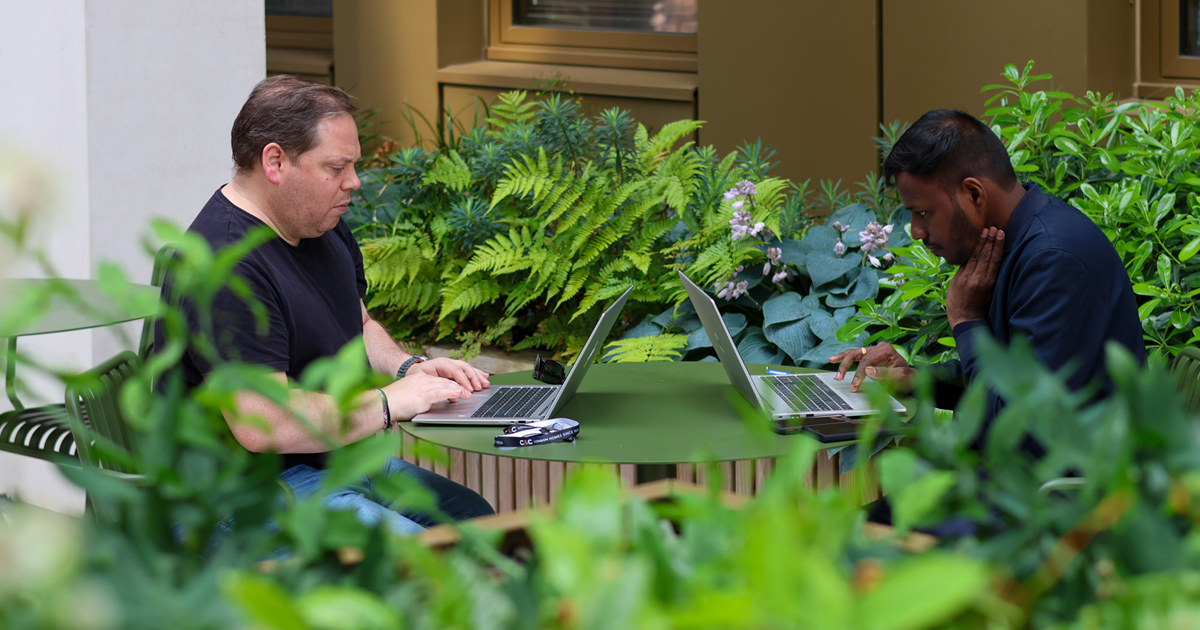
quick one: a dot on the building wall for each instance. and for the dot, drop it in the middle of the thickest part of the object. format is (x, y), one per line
(939, 53)
(126, 107)
(812, 79)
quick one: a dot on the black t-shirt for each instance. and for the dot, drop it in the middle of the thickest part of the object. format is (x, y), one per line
(310, 293)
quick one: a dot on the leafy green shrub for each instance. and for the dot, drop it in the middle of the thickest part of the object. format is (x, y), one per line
(1131, 167)
(531, 220)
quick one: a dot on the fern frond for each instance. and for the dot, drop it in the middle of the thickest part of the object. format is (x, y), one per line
(468, 294)
(512, 108)
(450, 171)
(528, 175)
(652, 149)
(646, 349)
(503, 253)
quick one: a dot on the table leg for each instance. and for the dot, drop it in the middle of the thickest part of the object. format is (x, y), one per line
(10, 374)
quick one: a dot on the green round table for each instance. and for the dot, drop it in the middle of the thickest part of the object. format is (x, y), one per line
(637, 413)
(40, 307)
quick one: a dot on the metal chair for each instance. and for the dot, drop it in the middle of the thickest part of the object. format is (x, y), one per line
(44, 432)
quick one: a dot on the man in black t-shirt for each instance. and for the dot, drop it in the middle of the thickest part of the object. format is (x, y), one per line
(295, 144)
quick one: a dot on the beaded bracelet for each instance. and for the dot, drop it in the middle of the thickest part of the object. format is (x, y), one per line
(387, 412)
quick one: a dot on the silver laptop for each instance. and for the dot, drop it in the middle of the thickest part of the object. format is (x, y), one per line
(786, 396)
(516, 404)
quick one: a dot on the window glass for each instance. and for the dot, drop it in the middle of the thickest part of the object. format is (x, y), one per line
(1189, 14)
(631, 16)
(300, 8)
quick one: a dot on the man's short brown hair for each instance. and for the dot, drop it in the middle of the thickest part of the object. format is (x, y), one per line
(286, 110)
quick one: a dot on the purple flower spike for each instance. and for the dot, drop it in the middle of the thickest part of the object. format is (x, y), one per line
(746, 188)
(840, 248)
(737, 205)
(780, 277)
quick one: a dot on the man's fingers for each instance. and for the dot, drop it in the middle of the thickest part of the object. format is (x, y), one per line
(848, 359)
(997, 256)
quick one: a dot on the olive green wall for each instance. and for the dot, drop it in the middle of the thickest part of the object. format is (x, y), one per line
(939, 53)
(803, 76)
(386, 54)
(812, 79)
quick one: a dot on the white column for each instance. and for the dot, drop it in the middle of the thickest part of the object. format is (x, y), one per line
(125, 106)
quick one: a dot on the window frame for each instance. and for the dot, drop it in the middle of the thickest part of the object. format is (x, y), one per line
(1173, 64)
(645, 51)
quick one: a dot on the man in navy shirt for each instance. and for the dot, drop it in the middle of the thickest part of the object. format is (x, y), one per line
(1029, 263)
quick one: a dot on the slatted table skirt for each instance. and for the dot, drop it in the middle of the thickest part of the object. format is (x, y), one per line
(514, 484)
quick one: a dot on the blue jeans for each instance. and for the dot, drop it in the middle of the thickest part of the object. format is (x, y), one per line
(455, 501)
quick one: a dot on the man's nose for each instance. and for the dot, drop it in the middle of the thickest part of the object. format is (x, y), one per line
(918, 229)
(353, 182)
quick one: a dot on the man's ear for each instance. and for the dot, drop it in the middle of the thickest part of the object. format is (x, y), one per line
(976, 194)
(272, 159)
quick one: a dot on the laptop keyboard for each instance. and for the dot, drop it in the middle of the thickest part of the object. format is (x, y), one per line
(515, 402)
(807, 393)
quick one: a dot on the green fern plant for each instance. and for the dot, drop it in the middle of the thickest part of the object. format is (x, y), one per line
(666, 347)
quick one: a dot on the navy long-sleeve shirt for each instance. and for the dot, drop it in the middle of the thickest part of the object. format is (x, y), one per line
(1061, 285)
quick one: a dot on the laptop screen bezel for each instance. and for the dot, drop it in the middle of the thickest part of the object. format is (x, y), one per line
(718, 334)
(588, 355)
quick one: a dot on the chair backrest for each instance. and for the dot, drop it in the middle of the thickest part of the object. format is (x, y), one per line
(1186, 370)
(96, 399)
(164, 255)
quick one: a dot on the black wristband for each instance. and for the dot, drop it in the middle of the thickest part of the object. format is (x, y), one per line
(413, 360)
(387, 412)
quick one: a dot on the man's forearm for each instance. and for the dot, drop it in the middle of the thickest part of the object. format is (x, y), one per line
(311, 423)
(383, 352)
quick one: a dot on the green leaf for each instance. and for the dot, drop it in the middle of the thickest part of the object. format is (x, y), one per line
(1165, 204)
(262, 600)
(1189, 250)
(1145, 310)
(345, 607)
(851, 329)
(923, 592)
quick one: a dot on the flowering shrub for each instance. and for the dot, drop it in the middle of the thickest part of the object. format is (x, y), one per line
(1133, 168)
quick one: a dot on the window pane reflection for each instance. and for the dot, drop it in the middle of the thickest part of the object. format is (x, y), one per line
(632, 16)
(1189, 13)
(301, 8)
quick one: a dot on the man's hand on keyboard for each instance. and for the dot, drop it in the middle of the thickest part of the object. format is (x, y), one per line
(880, 361)
(416, 393)
(470, 378)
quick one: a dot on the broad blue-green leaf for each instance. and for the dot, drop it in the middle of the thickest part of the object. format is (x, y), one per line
(822, 324)
(785, 307)
(697, 339)
(795, 337)
(923, 592)
(825, 267)
(755, 348)
(648, 328)
(819, 238)
(865, 288)
(735, 323)
(855, 217)
(791, 252)
(843, 285)
(843, 315)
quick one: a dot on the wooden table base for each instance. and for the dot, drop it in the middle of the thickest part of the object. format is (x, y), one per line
(515, 484)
